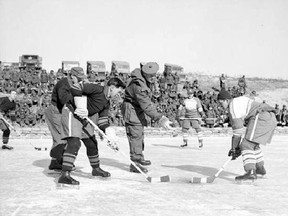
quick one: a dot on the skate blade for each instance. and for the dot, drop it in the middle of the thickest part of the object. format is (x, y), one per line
(52, 172)
(246, 182)
(101, 178)
(61, 186)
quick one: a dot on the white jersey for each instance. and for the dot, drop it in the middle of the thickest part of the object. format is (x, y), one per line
(192, 107)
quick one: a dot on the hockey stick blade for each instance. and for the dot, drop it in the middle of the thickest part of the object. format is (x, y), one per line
(166, 178)
(199, 180)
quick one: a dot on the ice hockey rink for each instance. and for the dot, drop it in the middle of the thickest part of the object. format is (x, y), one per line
(28, 189)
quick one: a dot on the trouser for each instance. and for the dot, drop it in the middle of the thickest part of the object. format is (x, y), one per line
(135, 135)
(6, 131)
(53, 120)
(252, 155)
(73, 132)
(73, 146)
(194, 124)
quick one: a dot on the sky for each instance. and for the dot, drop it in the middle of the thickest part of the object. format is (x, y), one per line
(234, 37)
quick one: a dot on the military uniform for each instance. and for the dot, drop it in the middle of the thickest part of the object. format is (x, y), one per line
(137, 104)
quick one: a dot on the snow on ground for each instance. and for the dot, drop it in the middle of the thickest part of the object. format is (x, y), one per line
(27, 189)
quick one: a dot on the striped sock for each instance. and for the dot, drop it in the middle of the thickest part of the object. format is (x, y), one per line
(68, 161)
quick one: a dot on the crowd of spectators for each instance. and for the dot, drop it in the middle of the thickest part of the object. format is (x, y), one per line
(34, 87)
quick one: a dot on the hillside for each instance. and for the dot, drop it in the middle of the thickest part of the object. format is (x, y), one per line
(272, 90)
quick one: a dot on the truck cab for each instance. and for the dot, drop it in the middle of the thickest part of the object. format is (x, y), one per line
(30, 61)
(67, 65)
(98, 68)
(120, 68)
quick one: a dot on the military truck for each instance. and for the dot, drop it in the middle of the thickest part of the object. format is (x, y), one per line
(30, 61)
(67, 65)
(120, 67)
(97, 67)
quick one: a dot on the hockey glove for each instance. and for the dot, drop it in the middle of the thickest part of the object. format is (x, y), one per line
(235, 151)
(165, 123)
(112, 138)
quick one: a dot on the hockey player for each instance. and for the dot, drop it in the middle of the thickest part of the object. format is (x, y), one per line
(260, 122)
(89, 99)
(6, 103)
(137, 104)
(60, 96)
(192, 117)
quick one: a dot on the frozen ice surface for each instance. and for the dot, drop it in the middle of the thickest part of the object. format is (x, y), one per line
(27, 189)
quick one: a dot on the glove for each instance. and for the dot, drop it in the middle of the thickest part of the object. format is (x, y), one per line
(112, 138)
(82, 113)
(235, 153)
(113, 146)
(165, 123)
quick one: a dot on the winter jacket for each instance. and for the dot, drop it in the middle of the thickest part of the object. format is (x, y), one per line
(137, 102)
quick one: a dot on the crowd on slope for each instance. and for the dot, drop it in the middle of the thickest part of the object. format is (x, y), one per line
(34, 87)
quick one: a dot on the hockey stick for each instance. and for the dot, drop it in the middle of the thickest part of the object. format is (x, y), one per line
(197, 180)
(148, 178)
(10, 126)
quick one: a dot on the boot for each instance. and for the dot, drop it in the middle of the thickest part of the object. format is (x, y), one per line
(143, 162)
(5, 146)
(65, 178)
(250, 175)
(261, 170)
(133, 169)
(185, 144)
(99, 172)
(200, 144)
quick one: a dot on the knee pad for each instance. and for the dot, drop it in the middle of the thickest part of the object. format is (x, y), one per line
(73, 145)
(91, 145)
(57, 151)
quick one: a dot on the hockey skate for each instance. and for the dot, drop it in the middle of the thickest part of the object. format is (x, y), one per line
(200, 144)
(248, 178)
(99, 172)
(184, 145)
(66, 181)
(260, 171)
(7, 147)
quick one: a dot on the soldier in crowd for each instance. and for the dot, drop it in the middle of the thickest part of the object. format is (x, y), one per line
(44, 78)
(222, 80)
(137, 104)
(260, 122)
(6, 103)
(284, 115)
(169, 81)
(242, 85)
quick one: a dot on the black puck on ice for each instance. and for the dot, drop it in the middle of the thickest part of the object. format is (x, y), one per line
(39, 149)
(45, 149)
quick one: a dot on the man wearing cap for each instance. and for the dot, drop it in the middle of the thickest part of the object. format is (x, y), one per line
(137, 103)
(60, 96)
(193, 113)
(88, 100)
(260, 122)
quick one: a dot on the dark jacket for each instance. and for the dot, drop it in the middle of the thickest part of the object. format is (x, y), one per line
(137, 102)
